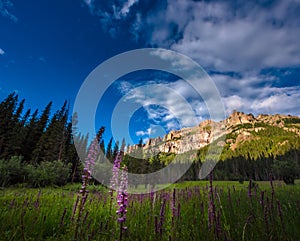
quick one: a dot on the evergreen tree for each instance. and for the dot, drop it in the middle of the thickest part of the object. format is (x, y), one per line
(50, 146)
(115, 150)
(30, 134)
(7, 110)
(109, 152)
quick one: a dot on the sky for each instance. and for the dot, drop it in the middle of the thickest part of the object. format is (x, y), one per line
(250, 50)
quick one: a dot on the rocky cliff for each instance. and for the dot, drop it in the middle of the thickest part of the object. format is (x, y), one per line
(238, 123)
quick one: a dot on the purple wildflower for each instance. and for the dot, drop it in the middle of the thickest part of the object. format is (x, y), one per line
(122, 200)
(114, 182)
(93, 153)
(162, 216)
(262, 194)
(119, 183)
(173, 204)
(250, 188)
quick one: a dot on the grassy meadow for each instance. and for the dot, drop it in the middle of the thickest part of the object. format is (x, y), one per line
(186, 211)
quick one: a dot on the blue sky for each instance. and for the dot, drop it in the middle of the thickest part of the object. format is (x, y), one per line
(250, 50)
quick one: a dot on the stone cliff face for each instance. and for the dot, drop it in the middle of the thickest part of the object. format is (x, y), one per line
(186, 139)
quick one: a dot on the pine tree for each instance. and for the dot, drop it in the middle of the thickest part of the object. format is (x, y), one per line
(7, 110)
(50, 146)
(17, 135)
(109, 152)
(30, 133)
(115, 150)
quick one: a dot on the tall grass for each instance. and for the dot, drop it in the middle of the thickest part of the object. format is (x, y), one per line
(187, 211)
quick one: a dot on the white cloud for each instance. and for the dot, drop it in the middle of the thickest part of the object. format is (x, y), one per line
(224, 37)
(255, 94)
(219, 35)
(89, 2)
(281, 100)
(235, 40)
(2, 52)
(5, 6)
(126, 7)
(143, 133)
(167, 104)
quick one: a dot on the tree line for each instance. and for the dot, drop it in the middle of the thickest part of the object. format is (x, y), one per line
(37, 148)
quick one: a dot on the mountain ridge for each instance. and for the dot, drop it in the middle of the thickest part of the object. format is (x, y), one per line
(238, 128)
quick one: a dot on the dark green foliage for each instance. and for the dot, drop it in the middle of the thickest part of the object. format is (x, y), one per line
(243, 126)
(7, 122)
(109, 151)
(291, 121)
(12, 171)
(287, 170)
(115, 150)
(36, 138)
(51, 145)
(48, 174)
(45, 138)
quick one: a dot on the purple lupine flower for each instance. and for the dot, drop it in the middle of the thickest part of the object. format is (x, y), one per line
(262, 194)
(280, 214)
(218, 225)
(156, 224)
(122, 200)
(37, 202)
(162, 216)
(178, 209)
(211, 205)
(119, 183)
(173, 204)
(122, 197)
(92, 156)
(272, 186)
(114, 182)
(93, 153)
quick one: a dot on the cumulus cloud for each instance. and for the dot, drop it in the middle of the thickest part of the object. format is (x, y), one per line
(235, 41)
(112, 15)
(126, 7)
(2, 51)
(168, 104)
(5, 7)
(256, 94)
(219, 35)
(227, 37)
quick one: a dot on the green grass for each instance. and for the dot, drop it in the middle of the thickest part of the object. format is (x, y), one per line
(191, 211)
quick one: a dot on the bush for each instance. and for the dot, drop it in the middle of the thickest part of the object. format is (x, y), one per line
(48, 174)
(12, 171)
(286, 170)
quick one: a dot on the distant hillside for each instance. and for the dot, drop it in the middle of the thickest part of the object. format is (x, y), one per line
(240, 130)
(252, 148)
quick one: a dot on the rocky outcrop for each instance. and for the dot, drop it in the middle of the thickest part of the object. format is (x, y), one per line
(238, 123)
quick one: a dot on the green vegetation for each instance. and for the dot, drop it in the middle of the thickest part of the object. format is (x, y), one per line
(185, 211)
(33, 145)
(14, 171)
(291, 121)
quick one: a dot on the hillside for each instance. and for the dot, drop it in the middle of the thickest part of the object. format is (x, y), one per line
(239, 129)
(252, 147)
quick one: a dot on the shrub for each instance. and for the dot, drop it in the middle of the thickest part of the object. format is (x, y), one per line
(12, 171)
(48, 174)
